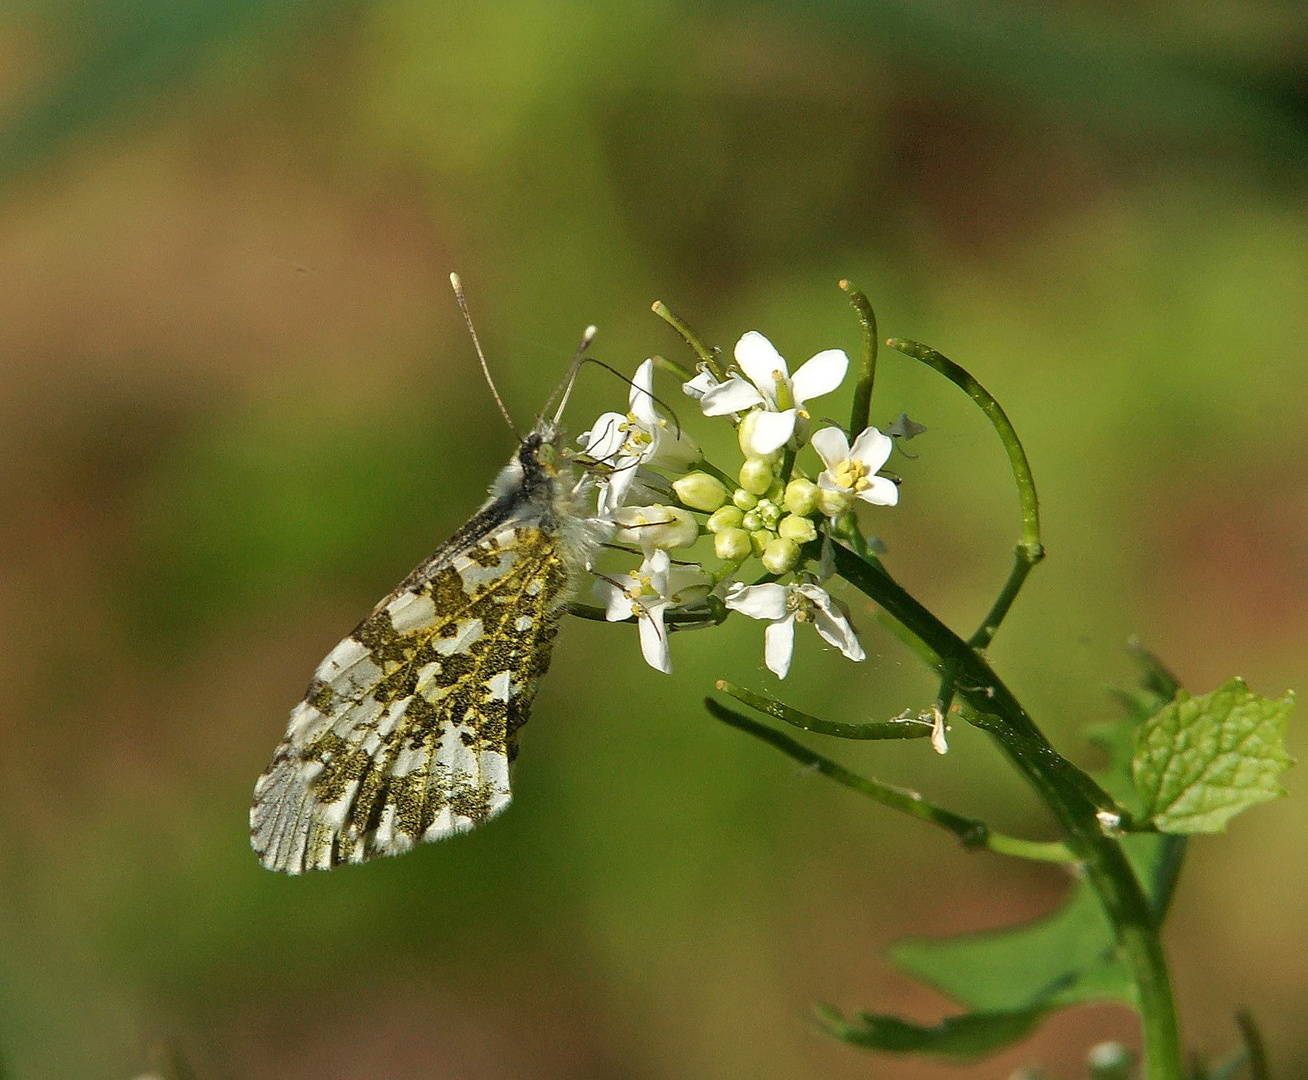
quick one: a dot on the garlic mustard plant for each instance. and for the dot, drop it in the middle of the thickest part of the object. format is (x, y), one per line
(773, 536)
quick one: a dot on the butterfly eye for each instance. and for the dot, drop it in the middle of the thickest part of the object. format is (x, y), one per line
(547, 457)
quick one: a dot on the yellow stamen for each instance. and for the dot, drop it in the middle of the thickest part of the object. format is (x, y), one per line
(851, 474)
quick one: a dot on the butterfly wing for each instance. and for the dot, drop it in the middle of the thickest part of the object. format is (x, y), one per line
(407, 731)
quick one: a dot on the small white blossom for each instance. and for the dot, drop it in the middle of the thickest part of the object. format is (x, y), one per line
(772, 388)
(851, 473)
(641, 437)
(647, 593)
(784, 605)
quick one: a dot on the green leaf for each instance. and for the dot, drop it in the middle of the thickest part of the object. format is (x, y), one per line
(961, 1037)
(1061, 959)
(1200, 761)
(1069, 956)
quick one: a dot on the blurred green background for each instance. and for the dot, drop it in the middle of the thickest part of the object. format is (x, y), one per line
(238, 406)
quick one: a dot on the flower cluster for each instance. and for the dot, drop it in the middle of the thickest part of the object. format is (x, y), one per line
(661, 495)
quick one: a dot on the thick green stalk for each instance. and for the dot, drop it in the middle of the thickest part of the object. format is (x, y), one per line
(1071, 800)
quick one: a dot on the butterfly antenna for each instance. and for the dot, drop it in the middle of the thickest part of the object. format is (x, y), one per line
(481, 356)
(587, 336)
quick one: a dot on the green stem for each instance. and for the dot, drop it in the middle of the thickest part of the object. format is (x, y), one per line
(662, 363)
(1024, 561)
(706, 355)
(964, 380)
(892, 729)
(970, 832)
(1069, 794)
(1029, 549)
(867, 371)
(787, 466)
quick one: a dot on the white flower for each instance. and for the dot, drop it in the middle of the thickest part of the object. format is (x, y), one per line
(784, 605)
(641, 437)
(655, 587)
(772, 387)
(852, 473)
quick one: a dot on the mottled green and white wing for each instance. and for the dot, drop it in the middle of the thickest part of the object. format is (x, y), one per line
(408, 728)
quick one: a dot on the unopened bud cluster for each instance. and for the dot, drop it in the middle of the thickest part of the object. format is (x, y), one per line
(770, 510)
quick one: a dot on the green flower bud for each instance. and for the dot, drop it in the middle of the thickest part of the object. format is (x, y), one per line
(796, 528)
(732, 545)
(728, 517)
(801, 497)
(700, 491)
(756, 476)
(752, 521)
(780, 555)
(775, 492)
(769, 512)
(744, 499)
(760, 538)
(834, 503)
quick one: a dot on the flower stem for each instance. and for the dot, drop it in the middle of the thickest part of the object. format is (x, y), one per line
(707, 356)
(1071, 795)
(867, 371)
(893, 729)
(1029, 549)
(971, 832)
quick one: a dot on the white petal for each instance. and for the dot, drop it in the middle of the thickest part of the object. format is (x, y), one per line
(672, 450)
(605, 439)
(686, 584)
(772, 430)
(880, 491)
(758, 358)
(616, 603)
(641, 398)
(819, 375)
(872, 448)
(699, 385)
(831, 622)
(654, 640)
(758, 601)
(831, 445)
(649, 487)
(617, 489)
(734, 395)
(656, 567)
(779, 646)
(827, 482)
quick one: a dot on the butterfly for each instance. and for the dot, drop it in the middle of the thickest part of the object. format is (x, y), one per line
(409, 726)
